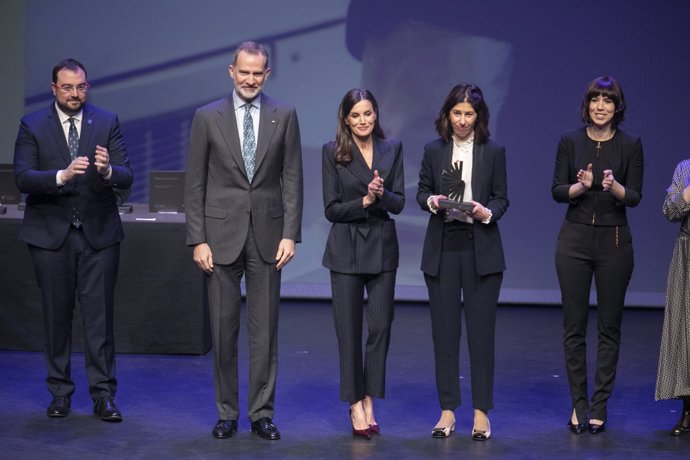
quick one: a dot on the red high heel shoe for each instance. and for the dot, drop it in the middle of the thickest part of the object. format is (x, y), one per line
(365, 433)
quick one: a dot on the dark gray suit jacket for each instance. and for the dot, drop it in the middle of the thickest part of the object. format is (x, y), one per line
(489, 187)
(362, 240)
(219, 200)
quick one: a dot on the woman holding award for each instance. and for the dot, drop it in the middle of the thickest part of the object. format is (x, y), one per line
(463, 184)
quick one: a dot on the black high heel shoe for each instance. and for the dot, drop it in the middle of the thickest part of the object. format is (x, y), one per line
(683, 425)
(577, 428)
(596, 428)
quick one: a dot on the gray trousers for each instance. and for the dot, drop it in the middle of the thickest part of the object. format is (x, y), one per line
(225, 301)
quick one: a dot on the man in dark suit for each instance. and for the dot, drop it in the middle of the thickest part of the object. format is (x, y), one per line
(243, 204)
(68, 159)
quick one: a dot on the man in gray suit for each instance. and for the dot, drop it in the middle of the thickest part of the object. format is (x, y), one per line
(243, 203)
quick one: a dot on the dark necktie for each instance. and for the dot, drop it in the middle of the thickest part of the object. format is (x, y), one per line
(73, 139)
(249, 143)
(73, 143)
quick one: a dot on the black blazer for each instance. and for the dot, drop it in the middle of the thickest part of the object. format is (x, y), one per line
(362, 240)
(489, 187)
(41, 150)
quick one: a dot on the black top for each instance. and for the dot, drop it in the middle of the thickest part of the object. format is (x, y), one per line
(622, 154)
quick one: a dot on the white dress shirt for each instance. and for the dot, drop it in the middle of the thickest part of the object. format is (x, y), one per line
(254, 111)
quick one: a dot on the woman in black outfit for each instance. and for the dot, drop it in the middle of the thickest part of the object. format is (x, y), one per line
(362, 183)
(463, 252)
(598, 174)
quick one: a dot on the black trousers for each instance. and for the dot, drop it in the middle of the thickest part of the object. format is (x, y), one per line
(360, 377)
(78, 271)
(458, 274)
(605, 253)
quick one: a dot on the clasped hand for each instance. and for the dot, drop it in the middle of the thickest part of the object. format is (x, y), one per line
(374, 189)
(79, 165)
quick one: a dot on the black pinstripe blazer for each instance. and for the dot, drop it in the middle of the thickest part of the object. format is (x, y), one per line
(362, 240)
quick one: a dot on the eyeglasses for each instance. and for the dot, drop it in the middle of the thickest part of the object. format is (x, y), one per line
(68, 89)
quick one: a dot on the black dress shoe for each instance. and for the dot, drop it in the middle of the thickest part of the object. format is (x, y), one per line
(265, 428)
(106, 409)
(225, 429)
(681, 428)
(577, 428)
(59, 406)
(596, 429)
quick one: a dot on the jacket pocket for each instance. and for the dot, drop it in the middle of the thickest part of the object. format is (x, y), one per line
(217, 213)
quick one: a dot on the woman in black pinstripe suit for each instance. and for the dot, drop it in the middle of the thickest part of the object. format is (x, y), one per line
(362, 184)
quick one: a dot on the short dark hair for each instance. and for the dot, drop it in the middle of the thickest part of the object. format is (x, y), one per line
(69, 64)
(464, 92)
(344, 145)
(609, 88)
(251, 48)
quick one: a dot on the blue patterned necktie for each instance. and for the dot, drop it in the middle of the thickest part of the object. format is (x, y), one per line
(249, 143)
(73, 143)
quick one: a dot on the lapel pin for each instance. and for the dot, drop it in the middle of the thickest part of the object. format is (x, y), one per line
(89, 121)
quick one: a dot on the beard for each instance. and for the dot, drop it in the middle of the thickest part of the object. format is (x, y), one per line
(71, 106)
(248, 94)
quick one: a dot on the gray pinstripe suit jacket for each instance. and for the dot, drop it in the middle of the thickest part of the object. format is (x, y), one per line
(219, 200)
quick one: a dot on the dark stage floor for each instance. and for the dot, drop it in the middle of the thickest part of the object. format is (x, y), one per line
(167, 400)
